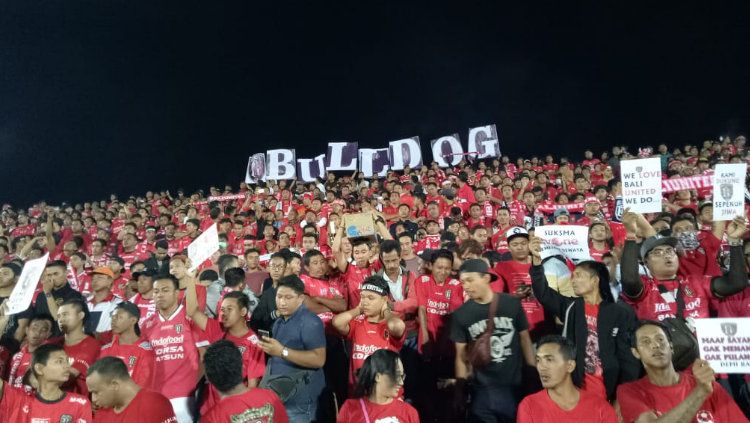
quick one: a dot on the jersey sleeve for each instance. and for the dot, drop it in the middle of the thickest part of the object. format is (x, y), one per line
(158, 408)
(255, 363)
(143, 374)
(347, 412)
(83, 414)
(458, 332)
(632, 402)
(525, 414)
(213, 331)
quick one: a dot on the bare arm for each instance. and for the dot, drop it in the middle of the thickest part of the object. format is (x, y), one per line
(341, 260)
(191, 305)
(527, 348)
(341, 321)
(313, 359)
(422, 319)
(462, 366)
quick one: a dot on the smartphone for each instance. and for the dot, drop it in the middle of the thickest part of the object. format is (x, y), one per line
(264, 333)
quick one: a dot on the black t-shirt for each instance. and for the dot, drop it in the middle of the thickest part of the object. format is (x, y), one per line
(470, 321)
(60, 295)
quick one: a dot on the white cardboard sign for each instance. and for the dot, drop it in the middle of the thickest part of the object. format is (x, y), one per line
(203, 247)
(729, 190)
(23, 293)
(725, 343)
(641, 184)
(571, 241)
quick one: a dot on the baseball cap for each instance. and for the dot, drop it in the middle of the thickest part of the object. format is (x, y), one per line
(476, 266)
(655, 241)
(516, 231)
(560, 212)
(104, 271)
(591, 199)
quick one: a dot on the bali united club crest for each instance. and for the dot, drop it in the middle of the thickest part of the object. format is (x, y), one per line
(448, 295)
(131, 361)
(729, 329)
(178, 328)
(704, 416)
(727, 191)
(688, 291)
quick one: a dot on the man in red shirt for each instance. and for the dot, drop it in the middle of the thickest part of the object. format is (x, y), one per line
(176, 341)
(118, 398)
(223, 363)
(561, 400)
(128, 346)
(144, 299)
(82, 349)
(668, 395)
(371, 325)
(37, 332)
(324, 296)
(51, 368)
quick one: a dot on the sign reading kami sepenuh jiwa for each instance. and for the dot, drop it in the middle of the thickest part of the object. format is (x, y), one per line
(282, 163)
(725, 343)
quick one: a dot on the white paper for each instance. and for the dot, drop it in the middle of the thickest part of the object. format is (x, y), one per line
(641, 185)
(729, 190)
(23, 293)
(203, 247)
(571, 241)
(725, 343)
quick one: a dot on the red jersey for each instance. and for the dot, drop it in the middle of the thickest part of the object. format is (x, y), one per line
(253, 358)
(539, 408)
(597, 254)
(512, 275)
(655, 305)
(175, 340)
(702, 260)
(737, 305)
(256, 405)
(429, 241)
(353, 278)
(439, 301)
(146, 407)
(315, 287)
(146, 306)
(18, 406)
(397, 411)
(642, 396)
(138, 357)
(83, 355)
(20, 362)
(368, 337)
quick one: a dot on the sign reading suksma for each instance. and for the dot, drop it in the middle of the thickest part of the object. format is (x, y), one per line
(281, 163)
(725, 343)
(570, 241)
(641, 184)
(23, 292)
(203, 247)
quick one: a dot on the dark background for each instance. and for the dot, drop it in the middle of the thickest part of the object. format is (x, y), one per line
(125, 96)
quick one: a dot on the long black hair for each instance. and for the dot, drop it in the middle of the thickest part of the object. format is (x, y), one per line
(594, 268)
(380, 362)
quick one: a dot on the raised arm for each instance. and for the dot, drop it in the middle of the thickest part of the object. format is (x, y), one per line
(341, 259)
(191, 304)
(341, 321)
(551, 300)
(735, 280)
(632, 285)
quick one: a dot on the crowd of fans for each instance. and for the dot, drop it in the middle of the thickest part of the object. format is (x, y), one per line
(448, 313)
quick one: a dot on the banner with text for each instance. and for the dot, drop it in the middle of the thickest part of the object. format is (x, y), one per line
(641, 184)
(571, 241)
(725, 343)
(203, 247)
(23, 293)
(729, 190)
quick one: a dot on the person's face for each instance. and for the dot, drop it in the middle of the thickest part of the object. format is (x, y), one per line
(503, 217)
(97, 248)
(432, 229)
(128, 241)
(76, 226)
(372, 303)
(308, 243)
(481, 236)
(652, 347)
(177, 268)
(295, 266)
(562, 219)
(287, 301)
(406, 246)
(252, 260)
(100, 282)
(553, 368)
(433, 210)
(662, 260)
(441, 269)
(519, 248)
(7, 278)
(69, 248)
(584, 282)
(57, 368)
(145, 284)
(232, 313)
(57, 275)
(474, 284)
(592, 208)
(103, 393)
(169, 230)
(191, 228)
(161, 253)
(475, 212)
(284, 241)
(317, 266)
(276, 268)
(682, 227)
(391, 261)
(165, 294)
(69, 318)
(37, 332)
(361, 254)
(122, 321)
(598, 233)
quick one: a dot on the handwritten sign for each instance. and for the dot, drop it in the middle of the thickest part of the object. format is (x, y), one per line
(203, 247)
(729, 190)
(23, 293)
(725, 343)
(641, 184)
(570, 241)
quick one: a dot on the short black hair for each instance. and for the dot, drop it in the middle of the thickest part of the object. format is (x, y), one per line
(223, 364)
(391, 245)
(241, 298)
(356, 242)
(292, 282)
(109, 368)
(441, 253)
(234, 276)
(224, 261)
(42, 317)
(567, 348)
(642, 323)
(56, 263)
(163, 244)
(167, 276)
(80, 305)
(310, 254)
(41, 354)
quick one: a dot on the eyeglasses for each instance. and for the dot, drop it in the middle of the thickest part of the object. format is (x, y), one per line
(663, 253)
(400, 377)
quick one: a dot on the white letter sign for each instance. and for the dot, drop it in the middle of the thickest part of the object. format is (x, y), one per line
(571, 241)
(725, 343)
(203, 247)
(641, 184)
(729, 190)
(23, 293)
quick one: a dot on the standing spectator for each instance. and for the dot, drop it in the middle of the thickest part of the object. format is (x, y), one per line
(37, 333)
(144, 299)
(55, 291)
(82, 349)
(102, 302)
(298, 352)
(223, 363)
(667, 394)
(128, 346)
(561, 400)
(265, 313)
(120, 399)
(254, 275)
(176, 341)
(495, 387)
(591, 319)
(376, 394)
(158, 263)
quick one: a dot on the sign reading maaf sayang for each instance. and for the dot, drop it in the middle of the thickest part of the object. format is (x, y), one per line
(281, 163)
(725, 343)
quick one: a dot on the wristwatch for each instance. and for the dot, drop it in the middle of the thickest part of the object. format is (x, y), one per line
(285, 352)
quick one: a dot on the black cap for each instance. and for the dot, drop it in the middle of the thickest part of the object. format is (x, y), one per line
(477, 266)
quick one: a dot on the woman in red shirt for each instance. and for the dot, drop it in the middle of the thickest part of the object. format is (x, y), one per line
(376, 395)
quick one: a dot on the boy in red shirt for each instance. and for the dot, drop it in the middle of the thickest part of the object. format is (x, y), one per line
(561, 400)
(37, 332)
(371, 325)
(81, 348)
(120, 400)
(128, 346)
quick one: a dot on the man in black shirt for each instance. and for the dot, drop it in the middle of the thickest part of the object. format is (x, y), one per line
(55, 291)
(494, 387)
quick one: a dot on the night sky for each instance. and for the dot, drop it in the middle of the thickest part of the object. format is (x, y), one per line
(99, 97)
